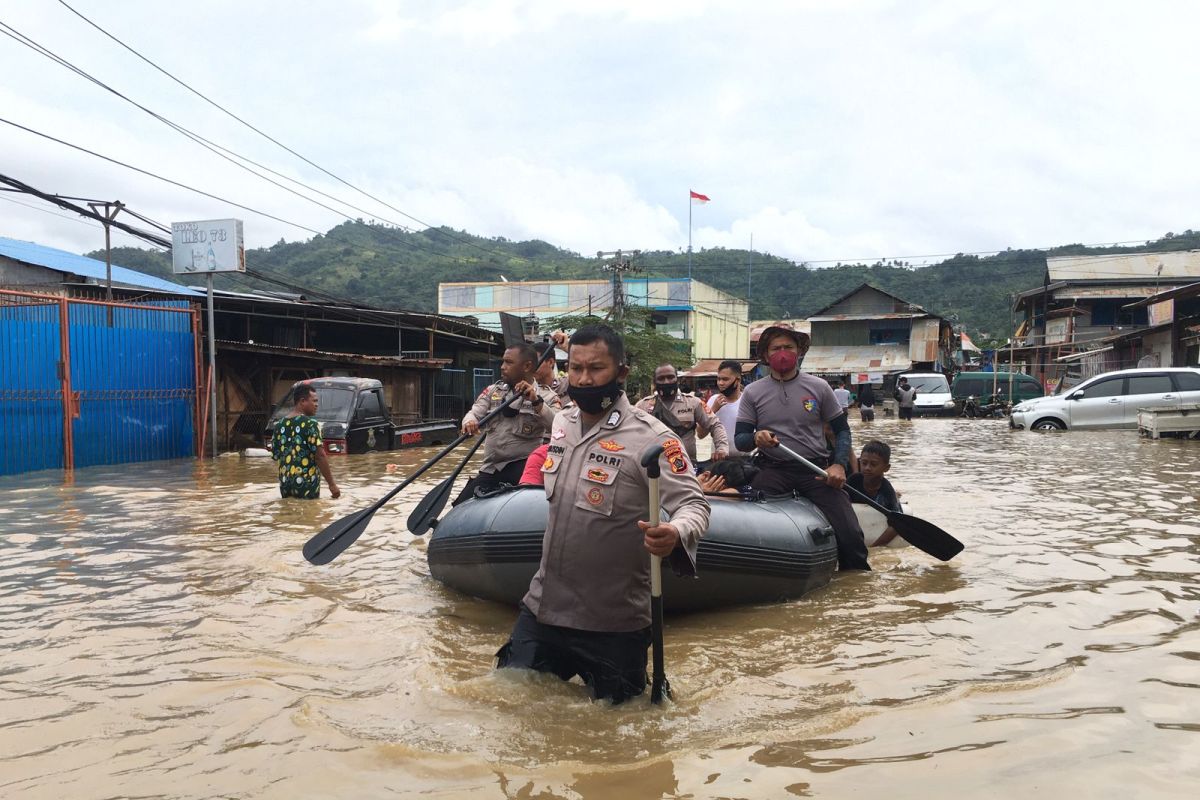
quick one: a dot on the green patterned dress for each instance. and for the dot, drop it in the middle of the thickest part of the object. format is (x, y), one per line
(294, 445)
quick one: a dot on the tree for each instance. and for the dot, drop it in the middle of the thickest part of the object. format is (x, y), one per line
(645, 346)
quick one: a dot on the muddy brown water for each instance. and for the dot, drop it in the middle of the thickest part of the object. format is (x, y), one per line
(162, 636)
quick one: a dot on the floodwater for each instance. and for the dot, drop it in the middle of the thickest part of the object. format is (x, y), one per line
(162, 636)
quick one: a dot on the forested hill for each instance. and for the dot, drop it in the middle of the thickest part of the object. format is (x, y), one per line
(382, 266)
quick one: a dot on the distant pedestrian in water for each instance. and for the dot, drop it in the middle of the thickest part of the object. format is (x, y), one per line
(297, 446)
(866, 402)
(906, 396)
(842, 394)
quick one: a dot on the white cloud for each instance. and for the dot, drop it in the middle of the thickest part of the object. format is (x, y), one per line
(864, 129)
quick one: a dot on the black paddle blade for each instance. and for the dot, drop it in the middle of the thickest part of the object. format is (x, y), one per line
(431, 505)
(924, 535)
(331, 542)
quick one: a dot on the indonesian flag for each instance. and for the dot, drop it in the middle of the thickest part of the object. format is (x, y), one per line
(698, 198)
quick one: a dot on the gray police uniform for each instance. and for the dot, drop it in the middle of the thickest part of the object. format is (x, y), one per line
(692, 414)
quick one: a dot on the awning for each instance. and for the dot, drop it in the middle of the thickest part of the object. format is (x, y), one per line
(707, 367)
(1084, 354)
(853, 359)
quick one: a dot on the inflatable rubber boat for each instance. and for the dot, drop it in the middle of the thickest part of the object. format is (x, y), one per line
(761, 551)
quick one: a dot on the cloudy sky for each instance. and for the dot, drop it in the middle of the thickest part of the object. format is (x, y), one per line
(827, 130)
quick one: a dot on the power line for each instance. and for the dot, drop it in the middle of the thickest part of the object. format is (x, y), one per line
(276, 142)
(217, 149)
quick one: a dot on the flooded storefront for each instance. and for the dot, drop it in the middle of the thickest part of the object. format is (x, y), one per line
(163, 636)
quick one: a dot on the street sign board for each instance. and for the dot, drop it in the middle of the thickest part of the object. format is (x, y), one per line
(213, 245)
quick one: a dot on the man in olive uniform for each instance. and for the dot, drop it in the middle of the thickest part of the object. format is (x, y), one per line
(547, 374)
(519, 429)
(685, 414)
(587, 611)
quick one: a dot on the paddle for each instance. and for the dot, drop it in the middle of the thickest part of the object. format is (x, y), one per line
(919, 533)
(427, 511)
(659, 685)
(333, 541)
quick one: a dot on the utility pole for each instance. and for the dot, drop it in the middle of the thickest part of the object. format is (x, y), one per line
(750, 278)
(110, 211)
(618, 264)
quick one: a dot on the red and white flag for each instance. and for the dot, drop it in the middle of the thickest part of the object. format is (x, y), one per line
(698, 198)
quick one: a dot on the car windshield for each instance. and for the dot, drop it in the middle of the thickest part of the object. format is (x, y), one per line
(929, 384)
(334, 405)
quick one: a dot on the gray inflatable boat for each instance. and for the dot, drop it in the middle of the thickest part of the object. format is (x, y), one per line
(754, 551)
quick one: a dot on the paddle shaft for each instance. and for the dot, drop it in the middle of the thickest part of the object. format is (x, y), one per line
(792, 454)
(342, 533)
(658, 683)
(427, 510)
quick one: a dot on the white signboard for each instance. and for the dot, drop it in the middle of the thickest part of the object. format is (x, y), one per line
(213, 245)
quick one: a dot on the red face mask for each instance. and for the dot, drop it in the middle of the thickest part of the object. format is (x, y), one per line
(783, 361)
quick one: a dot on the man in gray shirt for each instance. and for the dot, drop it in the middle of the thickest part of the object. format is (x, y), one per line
(791, 408)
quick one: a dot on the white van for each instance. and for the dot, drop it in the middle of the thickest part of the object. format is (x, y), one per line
(933, 394)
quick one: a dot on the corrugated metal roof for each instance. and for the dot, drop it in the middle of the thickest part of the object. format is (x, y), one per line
(1130, 266)
(847, 359)
(63, 261)
(1191, 290)
(759, 325)
(708, 367)
(846, 317)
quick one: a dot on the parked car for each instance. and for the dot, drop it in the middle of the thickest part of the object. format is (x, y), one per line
(1110, 400)
(979, 385)
(933, 394)
(354, 419)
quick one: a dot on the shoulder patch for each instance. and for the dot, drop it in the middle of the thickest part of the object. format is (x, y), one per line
(673, 452)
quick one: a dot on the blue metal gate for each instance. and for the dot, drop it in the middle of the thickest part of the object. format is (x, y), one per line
(84, 383)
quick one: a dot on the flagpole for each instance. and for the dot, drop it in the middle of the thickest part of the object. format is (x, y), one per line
(690, 204)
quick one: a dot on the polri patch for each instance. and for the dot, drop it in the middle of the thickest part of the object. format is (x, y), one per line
(673, 451)
(595, 496)
(611, 446)
(810, 403)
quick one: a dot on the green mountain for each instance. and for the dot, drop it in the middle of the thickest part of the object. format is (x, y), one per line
(379, 265)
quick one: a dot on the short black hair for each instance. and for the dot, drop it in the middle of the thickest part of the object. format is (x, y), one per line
(878, 448)
(589, 334)
(525, 352)
(301, 392)
(729, 363)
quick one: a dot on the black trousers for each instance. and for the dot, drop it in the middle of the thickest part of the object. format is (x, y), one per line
(905, 413)
(510, 473)
(613, 665)
(834, 504)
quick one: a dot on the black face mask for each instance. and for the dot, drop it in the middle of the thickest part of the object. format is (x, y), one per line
(667, 390)
(729, 390)
(595, 399)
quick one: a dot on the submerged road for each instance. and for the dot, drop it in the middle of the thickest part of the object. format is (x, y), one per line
(163, 637)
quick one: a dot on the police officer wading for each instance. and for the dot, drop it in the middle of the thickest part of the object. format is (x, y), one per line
(514, 434)
(684, 414)
(587, 611)
(790, 407)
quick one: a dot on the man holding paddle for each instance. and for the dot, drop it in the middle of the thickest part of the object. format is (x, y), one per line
(588, 609)
(519, 429)
(790, 407)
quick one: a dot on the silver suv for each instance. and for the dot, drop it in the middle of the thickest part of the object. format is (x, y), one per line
(1110, 400)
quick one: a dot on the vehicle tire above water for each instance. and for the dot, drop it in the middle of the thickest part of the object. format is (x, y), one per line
(1048, 424)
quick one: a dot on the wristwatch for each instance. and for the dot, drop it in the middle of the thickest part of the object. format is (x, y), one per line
(537, 402)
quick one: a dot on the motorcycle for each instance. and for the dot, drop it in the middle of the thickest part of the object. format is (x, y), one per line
(995, 407)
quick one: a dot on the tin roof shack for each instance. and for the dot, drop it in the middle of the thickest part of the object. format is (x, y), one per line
(1171, 340)
(874, 333)
(1084, 303)
(431, 366)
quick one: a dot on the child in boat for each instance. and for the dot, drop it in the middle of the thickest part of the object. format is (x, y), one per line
(730, 477)
(873, 462)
